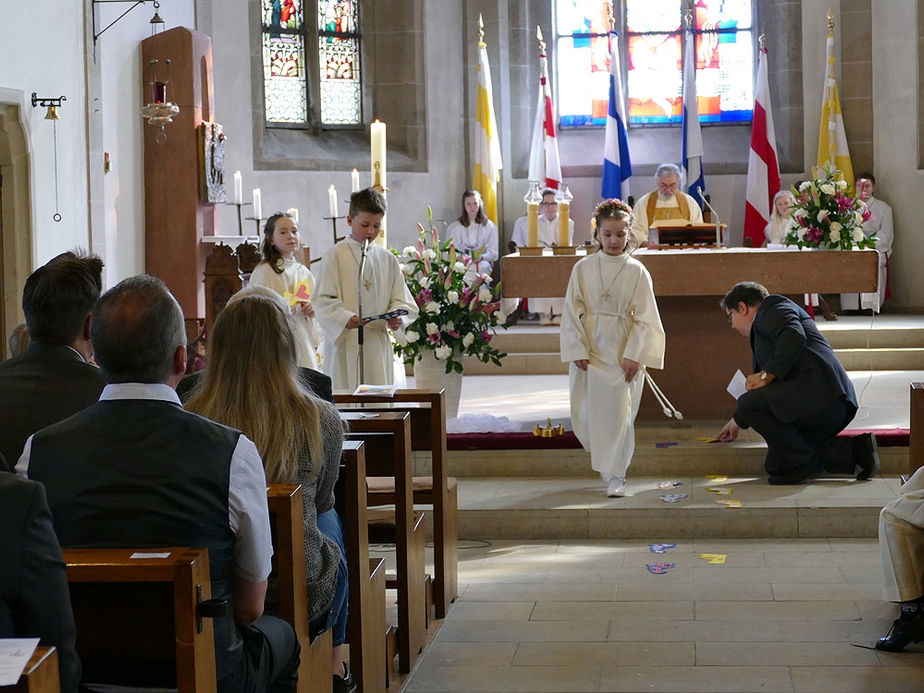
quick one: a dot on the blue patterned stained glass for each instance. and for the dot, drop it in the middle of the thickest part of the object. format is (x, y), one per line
(338, 56)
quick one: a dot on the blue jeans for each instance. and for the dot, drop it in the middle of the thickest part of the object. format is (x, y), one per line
(335, 619)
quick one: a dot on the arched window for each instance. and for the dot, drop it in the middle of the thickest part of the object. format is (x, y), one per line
(653, 72)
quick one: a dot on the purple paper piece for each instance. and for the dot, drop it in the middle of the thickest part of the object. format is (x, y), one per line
(665, 445)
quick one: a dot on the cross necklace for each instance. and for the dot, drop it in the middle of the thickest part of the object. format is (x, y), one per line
(367, 283)
(606, 288)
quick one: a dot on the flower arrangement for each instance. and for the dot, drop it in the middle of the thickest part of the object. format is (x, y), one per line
(829, 218)
(458, 307)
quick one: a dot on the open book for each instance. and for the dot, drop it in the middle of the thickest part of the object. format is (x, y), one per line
(377, 390)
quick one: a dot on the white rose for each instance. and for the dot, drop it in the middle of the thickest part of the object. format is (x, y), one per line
(836, 227)
(822, 215)
(452, 296)
(410, 337)
(484, 294)
(841, 185)
(432, 328)
(858, 218)
(449, 326)
(799, 213)
(458, 268)
(424, 282)
(443, 352)
(430, 253)
(806, 185)
(827, 188)
(409, 251)
(858, 235)
(467, 340)
(432, 307)
(800, 233)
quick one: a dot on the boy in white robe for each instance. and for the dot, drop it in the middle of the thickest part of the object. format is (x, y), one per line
(610, 332)
(337, 303)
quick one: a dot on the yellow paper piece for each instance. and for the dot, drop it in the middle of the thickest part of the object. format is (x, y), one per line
(714, 558)
(302, 293)
(729, 503)
(709, 440)
(722, 491)
(717, 479)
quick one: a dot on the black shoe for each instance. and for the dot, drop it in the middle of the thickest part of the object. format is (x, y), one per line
(866, 453)
(902, 633)
(346, 683)
(789, 478)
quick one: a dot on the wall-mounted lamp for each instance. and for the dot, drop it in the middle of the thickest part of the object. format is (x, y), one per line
(159, 111)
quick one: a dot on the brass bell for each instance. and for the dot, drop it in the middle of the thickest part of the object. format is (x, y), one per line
(52, 113)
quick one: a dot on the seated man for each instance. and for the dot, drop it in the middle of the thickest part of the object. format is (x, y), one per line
(54, 378)
(34, 597)
(549, 309)
(135, 469)
(799, 396)
(901, 546)
(665, 203)
(880, 224)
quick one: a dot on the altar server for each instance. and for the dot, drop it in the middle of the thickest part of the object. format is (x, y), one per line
(383, 290)
(282, 272)
(610, 332)
(473, 230)
(879, 223)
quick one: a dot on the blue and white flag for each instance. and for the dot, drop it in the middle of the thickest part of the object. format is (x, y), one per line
(617, 168)
(692, 136)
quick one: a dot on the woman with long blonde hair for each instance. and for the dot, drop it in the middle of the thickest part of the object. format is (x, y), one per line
(252, 384)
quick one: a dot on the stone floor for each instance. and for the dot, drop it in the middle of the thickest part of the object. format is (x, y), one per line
(569, 616)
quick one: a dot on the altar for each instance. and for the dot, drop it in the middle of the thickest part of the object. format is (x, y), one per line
(703, 351)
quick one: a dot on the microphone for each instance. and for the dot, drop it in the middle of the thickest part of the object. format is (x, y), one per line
(715, 215)
(365, 246)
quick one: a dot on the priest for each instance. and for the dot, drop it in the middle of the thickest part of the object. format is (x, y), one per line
(668, 202)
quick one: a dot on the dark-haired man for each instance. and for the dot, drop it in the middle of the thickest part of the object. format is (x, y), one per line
(54, 378)
(135, 469)
(799, 396)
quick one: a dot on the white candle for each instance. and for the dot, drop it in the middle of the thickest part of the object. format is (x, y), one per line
(257, 204)
(332, 199)
(294, 212)
(377, 132)
(238, 188)
(354, 181)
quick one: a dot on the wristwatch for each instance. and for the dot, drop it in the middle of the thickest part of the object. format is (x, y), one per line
(766, 377)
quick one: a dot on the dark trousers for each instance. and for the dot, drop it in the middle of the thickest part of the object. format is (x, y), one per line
(269, 659)
(802, 447)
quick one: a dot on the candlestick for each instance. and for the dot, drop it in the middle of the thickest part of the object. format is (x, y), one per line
(354, 181)
(564, 198)
(238, 188)
(257, 204)
(332, 200)
(293, 211)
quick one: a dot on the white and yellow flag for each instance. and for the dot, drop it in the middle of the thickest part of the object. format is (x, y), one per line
(832, 138)
(487, 146)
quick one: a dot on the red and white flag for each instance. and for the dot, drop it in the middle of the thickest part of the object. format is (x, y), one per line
(544, 163)
(763, 167)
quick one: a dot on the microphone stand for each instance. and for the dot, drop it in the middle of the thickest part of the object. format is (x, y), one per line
(359, 306)
(715, 215)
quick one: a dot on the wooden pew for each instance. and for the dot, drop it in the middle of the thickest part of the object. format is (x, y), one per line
(144, 612)
(40, 674)
(916, 437)
(287, 523)
(366, 627)
(428, 433)
(387, 438)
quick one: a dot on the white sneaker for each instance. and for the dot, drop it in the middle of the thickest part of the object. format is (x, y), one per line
(616, 487)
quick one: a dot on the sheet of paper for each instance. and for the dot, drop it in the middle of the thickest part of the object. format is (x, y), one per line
(14, 655)
(737, 386)
(150, 554)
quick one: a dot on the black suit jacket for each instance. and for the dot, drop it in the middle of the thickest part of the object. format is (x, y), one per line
(47, 384)
(319, 384)
(787, 344)
(34, 598)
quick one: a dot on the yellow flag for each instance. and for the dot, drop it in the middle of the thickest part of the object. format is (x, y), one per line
(832, 138)
(487, 147)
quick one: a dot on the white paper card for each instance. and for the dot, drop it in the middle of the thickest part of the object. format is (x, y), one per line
(14, 656)
(142, 554)
(738, 385)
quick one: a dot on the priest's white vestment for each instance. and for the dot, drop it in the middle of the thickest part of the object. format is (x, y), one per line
(901, 542)
(610, 314)
(383, 290)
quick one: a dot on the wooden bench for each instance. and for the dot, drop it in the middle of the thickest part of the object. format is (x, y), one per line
(136, 613)
(367, 631)
(387, 438)
(916, 435)
(428, 433)
(288, 528)
(40, 675)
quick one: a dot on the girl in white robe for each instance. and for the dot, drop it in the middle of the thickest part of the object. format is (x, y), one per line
(281, 271)
(610, 332)
(473, 230)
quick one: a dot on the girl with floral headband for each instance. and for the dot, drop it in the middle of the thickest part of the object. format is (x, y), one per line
(610, 332)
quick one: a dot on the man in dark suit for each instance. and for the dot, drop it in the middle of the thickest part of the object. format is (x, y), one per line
(799, 396)
(135, 469)
(54, 378)
(34, 598)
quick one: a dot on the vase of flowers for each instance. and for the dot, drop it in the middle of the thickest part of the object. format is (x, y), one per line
(828, 218)
(459, 312)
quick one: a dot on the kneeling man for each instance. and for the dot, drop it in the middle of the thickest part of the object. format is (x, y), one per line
(799, 396)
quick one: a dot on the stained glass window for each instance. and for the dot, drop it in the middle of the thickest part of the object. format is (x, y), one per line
(338, 57)
(284, 84)
(653, 44)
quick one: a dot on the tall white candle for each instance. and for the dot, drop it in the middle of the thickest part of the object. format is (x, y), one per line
(377, 132)
(257, 204)
(332, 199)
(238, 188)
(294, 212)
(354, 181)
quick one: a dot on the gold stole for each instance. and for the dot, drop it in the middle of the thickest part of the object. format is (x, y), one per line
(655, 213)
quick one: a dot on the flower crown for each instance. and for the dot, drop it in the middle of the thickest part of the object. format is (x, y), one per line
(610, 208)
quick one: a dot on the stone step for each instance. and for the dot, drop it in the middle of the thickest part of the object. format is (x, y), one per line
(559, 508)
(884, 359)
